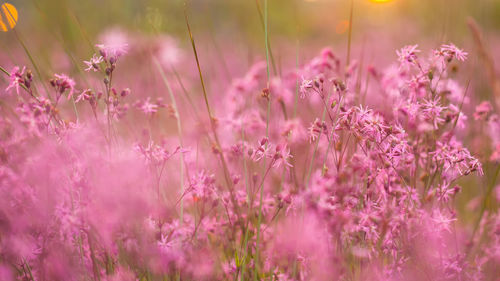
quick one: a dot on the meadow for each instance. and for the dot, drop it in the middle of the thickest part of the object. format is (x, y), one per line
(249, 140)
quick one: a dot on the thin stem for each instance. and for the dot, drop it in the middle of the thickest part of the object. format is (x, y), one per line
(263, 21)
(349, 35)
(229, 183)
(259, 220)
(317, 143)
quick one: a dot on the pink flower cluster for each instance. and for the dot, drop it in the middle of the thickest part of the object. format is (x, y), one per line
(308, 175)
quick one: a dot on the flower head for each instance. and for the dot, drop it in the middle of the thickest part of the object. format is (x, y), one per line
(450, 52)
(62, 83)
(408, 54)
(16, 79)
(148, 107)
(111, 53)
(482, 110)
(305, 86)
(282, 156)
(93, 63)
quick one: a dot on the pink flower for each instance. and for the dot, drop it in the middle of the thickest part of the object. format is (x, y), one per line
(203, 186)
(264, 150)
(169, 52)
(148, 107)
(442, 221)
(408, 54)
(305, 86)
(63, 83)
(432, 110)
(111, 53)
(451, 51)
(155, 153)
(482, 110)
(495, 156)
(316, 129)
(16, 79)
(282, 156)
(93, 63)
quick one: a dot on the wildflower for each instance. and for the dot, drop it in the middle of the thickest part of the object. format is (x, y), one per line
(442, 221)
(305, 86)
(316, 129)
(431, 110)
(375, 188)
(482, 110)
(111, 53)
(16, 79)
(203, 186)
(264, 150)
(408, 54)
(339, 85)
(62, 83)
(93, 63)
(450, 51)
(147, 107)
(155, 153)
(169, 52)
(282, 156)
(84, 95)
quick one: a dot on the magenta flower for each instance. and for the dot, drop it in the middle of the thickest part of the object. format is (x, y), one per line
(482, 110)
(305, 86)
(111, 53)
(442, 220)
(408, 54)
(262, 151)
(63, 83)
(16, 79)
(93, 63)
(451, 51)
(282, 156)
(147, 107)
(432, 110)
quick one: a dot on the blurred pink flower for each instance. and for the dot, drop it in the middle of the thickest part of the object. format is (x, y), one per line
(111, 53)
(482, 110)
(408, 54)
(62, 83)
(16, 79)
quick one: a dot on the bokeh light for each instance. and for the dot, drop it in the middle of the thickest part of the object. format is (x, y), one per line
(8, 13)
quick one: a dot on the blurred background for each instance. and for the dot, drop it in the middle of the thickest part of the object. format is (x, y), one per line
(59, 34)
(75, 25)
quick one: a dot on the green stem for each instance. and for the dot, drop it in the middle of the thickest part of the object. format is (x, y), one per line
(227, 177)
(259, 220)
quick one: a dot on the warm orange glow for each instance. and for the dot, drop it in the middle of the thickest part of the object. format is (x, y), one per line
(381, 1)
(9, 13)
